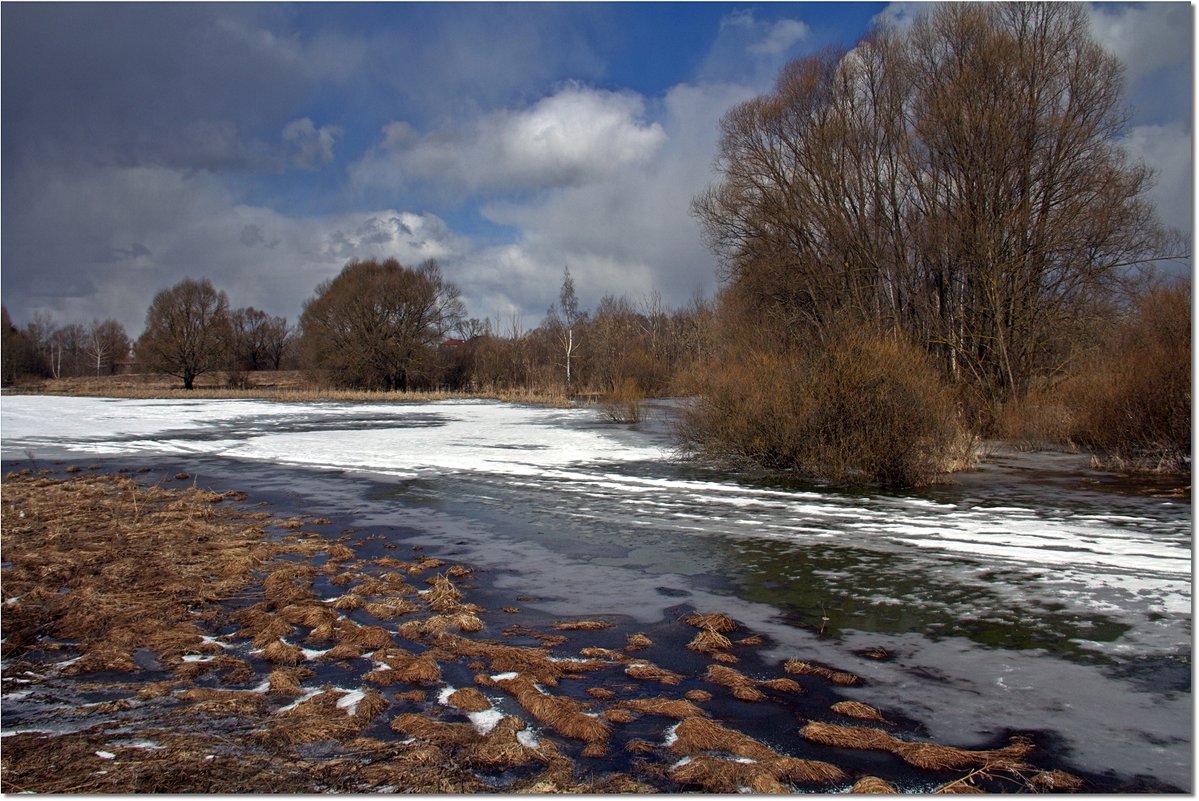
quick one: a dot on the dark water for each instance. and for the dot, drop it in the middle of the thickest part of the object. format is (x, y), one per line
(1032, 595)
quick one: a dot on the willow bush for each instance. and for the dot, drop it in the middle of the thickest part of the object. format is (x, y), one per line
(862, 408)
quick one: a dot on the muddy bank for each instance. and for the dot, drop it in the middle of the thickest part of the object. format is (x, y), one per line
(161, 635)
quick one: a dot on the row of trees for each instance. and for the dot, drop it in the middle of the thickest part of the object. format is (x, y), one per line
(190, 330)
(383, 326)
(44, 349)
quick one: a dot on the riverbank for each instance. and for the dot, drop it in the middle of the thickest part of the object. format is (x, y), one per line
(276, 385)
(164, 636)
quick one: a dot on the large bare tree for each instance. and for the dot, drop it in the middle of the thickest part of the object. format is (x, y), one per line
(961, 181)
(187, 331)
(377, 324)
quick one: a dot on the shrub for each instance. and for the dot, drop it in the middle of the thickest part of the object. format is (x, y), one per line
(623, 404)
(862, 409)
(1131, 399)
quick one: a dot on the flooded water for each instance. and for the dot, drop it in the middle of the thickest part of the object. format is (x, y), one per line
(1032, 595)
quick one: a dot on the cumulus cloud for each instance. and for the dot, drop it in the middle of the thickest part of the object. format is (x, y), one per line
(571, 137)
(108, 238)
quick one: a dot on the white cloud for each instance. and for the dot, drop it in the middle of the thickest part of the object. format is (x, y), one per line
(110, 237)
(572, 137)
(783, 35)
(629, 233)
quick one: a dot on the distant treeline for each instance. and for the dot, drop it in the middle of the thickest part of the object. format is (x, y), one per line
(380, 325)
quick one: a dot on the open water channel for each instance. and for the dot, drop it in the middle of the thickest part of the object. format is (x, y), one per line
(1033, 594)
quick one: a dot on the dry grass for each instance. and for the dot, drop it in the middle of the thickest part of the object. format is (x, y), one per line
(563, 715)
(651, 672)
(713, 622)
(872, 785)
(801, 668)
(636, 642)
(582, 625)
(469, 699)
(927, 756)
(666, 707)
(856, 709)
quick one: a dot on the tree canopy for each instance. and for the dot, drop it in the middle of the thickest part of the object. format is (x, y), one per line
(378, 324)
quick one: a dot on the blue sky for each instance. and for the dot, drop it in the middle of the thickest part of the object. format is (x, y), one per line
(264, 145)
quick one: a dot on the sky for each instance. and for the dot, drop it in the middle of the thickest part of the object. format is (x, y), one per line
(263, 146)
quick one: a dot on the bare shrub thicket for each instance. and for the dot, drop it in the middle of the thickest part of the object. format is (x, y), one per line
(865, 408)
(1131, 399)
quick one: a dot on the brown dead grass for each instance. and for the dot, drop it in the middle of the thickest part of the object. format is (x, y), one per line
(927, 756)
(582, 625)
(799, 667)
(563, 715)
(667, 707)
(468, 699)
(651, 672)
(713, 622)
(856, 709)
(872, 785)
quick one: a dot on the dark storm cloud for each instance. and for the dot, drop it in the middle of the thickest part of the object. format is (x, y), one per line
(191, 85)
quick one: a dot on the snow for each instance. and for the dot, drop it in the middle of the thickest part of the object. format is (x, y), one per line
(106, 755)
(349, 701)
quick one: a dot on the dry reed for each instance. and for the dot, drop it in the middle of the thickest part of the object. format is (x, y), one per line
(713, 622)
(872, 785)
(563, 715)
(651, 672)
(799, 667)
(856, 709)
(666, 707)
(582, 625)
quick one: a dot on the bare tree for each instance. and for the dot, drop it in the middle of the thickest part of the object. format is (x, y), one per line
(187, 331)
(105, 344)
(960, 182)
(258, 339)
(378, 324)
(564, 318)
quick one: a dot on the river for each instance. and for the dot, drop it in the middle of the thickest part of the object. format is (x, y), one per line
(1033, 594)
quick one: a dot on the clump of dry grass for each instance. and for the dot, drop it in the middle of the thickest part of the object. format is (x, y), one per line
(742, 687)
(799, 667)
(500, 749)
(872, 785)
(636, 642)
(468, 699)
(927, 756)
(759, 766)
(666, 707)
(582, 625)
(856, 709)
(651, 672)
(712, 622)
(563, 715)
(286, 681)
